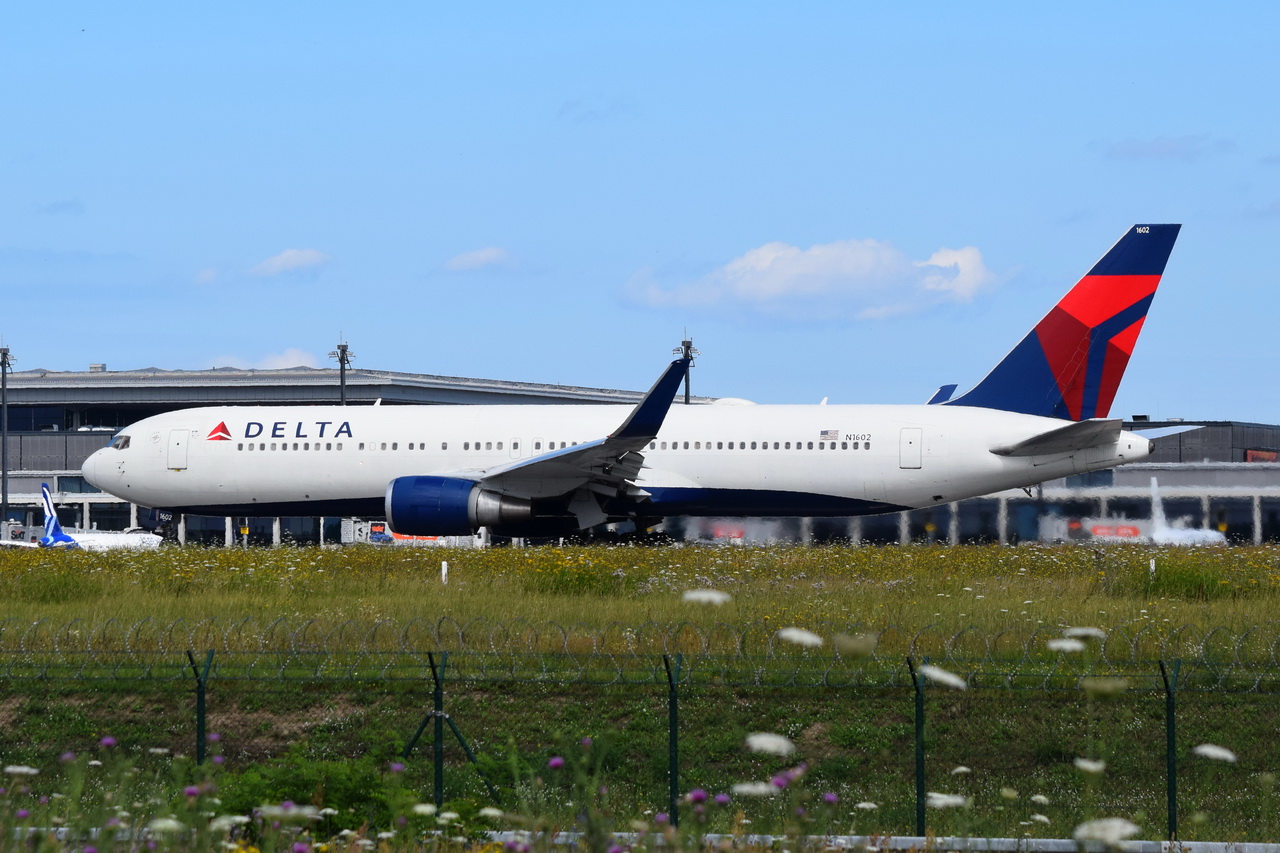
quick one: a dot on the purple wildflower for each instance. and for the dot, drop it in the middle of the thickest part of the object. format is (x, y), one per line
(218, 759)
(556, 762)
(44, 801)
(586, 743)
(191, 791)
(23, 814)
(397, 767)
(67, 757)
(89, 848)
(697, 795)
(780, 781)
(617, 848)
(661, 817)
(830, 798)
(301, 847)
(213, 737)
(722, 799)
(107, 741)
(286, 805)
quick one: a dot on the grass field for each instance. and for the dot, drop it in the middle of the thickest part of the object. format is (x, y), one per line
(330, 741)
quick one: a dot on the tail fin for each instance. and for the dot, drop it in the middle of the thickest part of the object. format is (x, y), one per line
(53, 535)
(1069, 366)
(1159, 524)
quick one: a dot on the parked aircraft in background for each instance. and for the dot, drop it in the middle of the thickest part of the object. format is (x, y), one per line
(89, 540)
(1162, 533)
(1040, 414)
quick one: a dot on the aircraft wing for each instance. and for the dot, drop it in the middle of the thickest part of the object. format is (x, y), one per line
(605, 466)
(1076, 435)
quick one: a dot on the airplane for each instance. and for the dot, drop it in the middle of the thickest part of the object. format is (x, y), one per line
(553, 470)
(1162, 533)
(89, 540)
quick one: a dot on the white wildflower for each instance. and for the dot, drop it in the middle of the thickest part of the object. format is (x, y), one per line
(1215, 752)
(1109, 830)
(866, 806)
(960, 770)
(158, 750)
(1009, 793)
(328, 811)
(754, 789)
(1065, 644)
(934, 800)
(1039, 818)
(227, 822)
(387, 833)
(20, 770)
(491, 813)
(800, 637)
(165, 824)
(770, 743)
(1081, 633)
(940, 676)
(1088, 765)
(1040, 799)
(706, 596)
(424, 809)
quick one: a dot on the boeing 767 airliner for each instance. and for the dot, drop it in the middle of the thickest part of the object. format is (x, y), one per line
(1040, 414)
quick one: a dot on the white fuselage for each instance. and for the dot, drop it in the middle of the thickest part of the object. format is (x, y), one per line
(707, 459)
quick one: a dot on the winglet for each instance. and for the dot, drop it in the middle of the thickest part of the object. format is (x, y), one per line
(647, 417)
(1069, 366)
(942, 395)
(53, 535)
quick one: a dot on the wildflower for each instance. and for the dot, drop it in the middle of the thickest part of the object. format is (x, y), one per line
(301, 847)
(1039, 818)
(1215, 752)
(754, 789)
(1065, 644)
(213, 737)
(107, 741)
(1096, 633)
(1009, 793)
(1109, 830)
(830, 798)
(165, 824)
(1101, 685)
(191, 791)
(327, 811)
(1040, 799)
(95, 763)
(22, 814)
(1088, 765)
(780, 781)
(800, 637)
(447, 817)
(396, 767)
(67, 757)
(227, 822)
(706, 596)
(556, 762)
(960, 770)
(157, 750)
(697, 795)
(491, 813)
(20, 770)
(772, 744)
(940, 676)
(722, 799)
(661, 817)
(935, 800)
(866, 806)
(424, 809)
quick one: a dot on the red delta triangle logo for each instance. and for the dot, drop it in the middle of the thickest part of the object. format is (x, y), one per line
(219, 433)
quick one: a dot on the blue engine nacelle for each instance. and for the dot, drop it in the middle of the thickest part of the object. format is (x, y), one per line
(449, 506)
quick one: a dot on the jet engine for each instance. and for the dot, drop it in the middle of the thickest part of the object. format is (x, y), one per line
(450, 506)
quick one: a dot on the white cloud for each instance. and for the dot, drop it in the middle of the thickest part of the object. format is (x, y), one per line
(869, 278)
(291, 357)
(291, 259)
(490, 256)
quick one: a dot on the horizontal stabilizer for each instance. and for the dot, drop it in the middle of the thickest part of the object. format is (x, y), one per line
(1078, 435)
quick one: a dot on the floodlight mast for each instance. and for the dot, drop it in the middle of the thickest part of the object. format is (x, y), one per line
(5, 364)
(686, 350)
(344, 356)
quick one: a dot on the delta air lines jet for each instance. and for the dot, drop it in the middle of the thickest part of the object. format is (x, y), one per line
(1040, 414)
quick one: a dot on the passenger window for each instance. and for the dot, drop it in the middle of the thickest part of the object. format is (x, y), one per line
(686, 445)
(394, 445)
(444, 445)
(488, 445)
(697, 445)
(361, 447)
(844, 445)
(775, 445)
(328, 445)
(250, 446)
(811, 445)
(411, 445)
(753, 445)
(384, 446)
(787, 446)
(664, 445)
(466, 445)
(719, 445)
(339, 445)
(866, 445)
(273, 445)
(515, 445)
(240, 446)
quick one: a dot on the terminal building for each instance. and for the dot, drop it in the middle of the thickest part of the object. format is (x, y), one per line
(1225, 475)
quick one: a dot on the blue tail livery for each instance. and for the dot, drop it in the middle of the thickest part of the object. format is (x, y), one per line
(53, 535)
(1070, 364)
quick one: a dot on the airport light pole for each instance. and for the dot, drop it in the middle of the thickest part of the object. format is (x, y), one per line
(344, 356)
(687, 351)
(5, 362)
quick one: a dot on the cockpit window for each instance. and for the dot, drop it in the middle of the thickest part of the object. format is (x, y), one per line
(120, 442)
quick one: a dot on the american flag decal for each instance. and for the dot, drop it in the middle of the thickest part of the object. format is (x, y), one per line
(829, 435)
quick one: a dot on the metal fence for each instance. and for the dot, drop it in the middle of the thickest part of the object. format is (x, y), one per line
(474, 705)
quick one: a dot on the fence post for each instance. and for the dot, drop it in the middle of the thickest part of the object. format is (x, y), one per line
(917, 682)
(202, 679)
(1171, 742)
(437, 675)
(673, 736)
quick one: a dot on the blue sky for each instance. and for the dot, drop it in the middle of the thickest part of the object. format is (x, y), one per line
(846, 200)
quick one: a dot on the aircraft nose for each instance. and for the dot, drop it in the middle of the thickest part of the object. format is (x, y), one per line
(93, 468)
